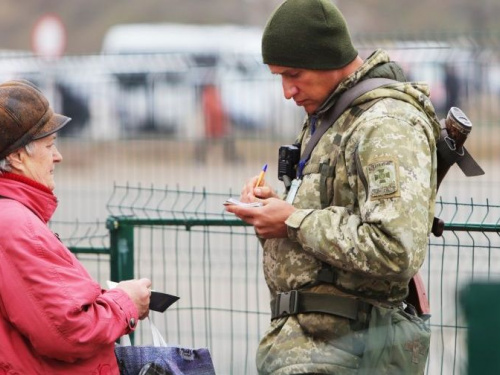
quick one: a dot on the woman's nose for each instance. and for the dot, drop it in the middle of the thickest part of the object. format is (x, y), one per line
(57, 156)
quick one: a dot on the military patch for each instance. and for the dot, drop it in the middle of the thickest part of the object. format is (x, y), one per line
(383, 179)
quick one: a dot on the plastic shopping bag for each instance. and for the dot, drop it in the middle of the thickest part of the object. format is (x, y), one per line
(162, 359)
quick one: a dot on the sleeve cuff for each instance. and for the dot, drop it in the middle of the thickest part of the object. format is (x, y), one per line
(294, 222)
(127, 306)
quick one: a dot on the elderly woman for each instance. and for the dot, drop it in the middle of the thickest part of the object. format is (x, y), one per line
(54, 318)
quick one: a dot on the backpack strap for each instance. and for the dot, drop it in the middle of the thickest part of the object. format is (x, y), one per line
(343, 103)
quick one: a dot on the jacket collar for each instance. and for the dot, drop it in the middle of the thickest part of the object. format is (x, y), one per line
(35, 196)
(372, 67)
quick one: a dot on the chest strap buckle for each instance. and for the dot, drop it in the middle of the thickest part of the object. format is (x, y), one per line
(296, 302)
(286, 304)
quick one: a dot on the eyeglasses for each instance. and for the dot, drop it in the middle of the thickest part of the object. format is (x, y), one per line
(153, 369)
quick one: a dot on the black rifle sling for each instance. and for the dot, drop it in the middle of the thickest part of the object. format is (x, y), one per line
(344, 102)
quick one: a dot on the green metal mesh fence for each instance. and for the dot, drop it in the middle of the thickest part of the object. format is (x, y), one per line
(186, 243)
(188, 246)
(468, 251)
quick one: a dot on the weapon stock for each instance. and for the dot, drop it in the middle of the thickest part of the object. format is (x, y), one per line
(450, 150)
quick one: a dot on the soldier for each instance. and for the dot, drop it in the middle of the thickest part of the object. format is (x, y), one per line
(342, 244)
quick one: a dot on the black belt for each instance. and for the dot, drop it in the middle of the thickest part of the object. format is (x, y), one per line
(296, 302)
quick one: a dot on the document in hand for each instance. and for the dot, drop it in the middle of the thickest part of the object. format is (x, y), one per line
(159, 301)
(239, 203)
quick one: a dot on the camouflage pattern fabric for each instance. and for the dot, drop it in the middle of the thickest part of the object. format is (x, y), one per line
(396, 343)
(374, 231)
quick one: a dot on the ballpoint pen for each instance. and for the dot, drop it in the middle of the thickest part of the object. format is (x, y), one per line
(261, 175)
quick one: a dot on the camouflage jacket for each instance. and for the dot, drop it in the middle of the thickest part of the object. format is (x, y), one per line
(365, 207)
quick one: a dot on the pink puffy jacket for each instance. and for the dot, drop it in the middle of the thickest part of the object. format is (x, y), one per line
(54, 319)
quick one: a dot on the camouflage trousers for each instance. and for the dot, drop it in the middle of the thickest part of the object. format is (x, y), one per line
(391, 341)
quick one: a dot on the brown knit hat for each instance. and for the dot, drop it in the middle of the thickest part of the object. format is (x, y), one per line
(25, 115)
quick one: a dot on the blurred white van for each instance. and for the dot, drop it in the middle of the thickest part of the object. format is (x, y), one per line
(182, 38)
(227, 55)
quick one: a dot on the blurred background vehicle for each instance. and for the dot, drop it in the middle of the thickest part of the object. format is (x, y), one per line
(227, 55)
(147, 80)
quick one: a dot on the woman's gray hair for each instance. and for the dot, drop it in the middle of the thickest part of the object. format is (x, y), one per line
(4, 163)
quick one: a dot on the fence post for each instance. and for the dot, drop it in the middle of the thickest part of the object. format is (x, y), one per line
(482, 311)
(121, 249)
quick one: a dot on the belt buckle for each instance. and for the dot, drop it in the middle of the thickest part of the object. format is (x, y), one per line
(287, 303)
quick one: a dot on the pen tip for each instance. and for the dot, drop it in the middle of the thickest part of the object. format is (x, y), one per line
(264, 168)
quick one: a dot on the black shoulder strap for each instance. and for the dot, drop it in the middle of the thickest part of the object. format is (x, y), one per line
(344, 102)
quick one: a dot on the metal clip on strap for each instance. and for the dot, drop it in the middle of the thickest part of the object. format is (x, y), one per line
(448, 155)
(295, 302)
(286, 304)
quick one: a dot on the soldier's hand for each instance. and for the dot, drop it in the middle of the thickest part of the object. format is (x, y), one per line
(250, 193)
(268, 220)
(139, 292)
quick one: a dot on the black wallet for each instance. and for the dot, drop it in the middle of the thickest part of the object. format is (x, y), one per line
(161, 301)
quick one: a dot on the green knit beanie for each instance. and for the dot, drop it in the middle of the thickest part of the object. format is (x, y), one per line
(307, 34)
